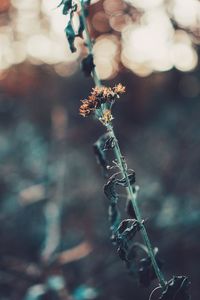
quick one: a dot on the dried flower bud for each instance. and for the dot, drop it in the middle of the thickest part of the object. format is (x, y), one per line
(107, 117)
(119, 89)
(98, 97)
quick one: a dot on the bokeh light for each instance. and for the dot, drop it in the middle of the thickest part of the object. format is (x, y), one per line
(145, 4)
(140, 34)
(106, 61)
(186, 12)
(36, 34)
(184, 57)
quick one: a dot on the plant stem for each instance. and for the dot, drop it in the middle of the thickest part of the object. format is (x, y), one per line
(123, 167)
(132, 197)
(89, 44)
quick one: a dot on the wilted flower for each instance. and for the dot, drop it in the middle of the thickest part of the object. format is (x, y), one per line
(107, 117)
(99, 96)
(119, 89)
(88, 106)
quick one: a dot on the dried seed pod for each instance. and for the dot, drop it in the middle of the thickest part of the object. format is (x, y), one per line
(110, 186)
(110, 189)
(127, 229)
(131, 177)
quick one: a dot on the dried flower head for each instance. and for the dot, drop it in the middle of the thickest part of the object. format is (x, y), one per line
(107, 117)
(119, 89)
(100, 96)
(86, 108)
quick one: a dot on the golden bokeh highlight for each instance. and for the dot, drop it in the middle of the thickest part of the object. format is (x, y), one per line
(106, 52)
(137, 33)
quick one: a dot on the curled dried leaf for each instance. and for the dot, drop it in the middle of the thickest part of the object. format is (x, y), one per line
(88, 65)
(124, 234)
(177, 289)
(70, 34)
(109, 144)
(127, 229)
(100, 153)
(67, 5)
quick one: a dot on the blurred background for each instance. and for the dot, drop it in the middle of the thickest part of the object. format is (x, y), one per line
(55, 239)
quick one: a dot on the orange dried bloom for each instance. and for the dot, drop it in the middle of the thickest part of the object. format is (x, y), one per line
(86, 108)
(97, 90)
(107, 117)
(119, 89)
(92, 98)
(99, 96)
(108, 93)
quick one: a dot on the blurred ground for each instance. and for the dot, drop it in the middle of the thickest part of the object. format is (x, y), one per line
(54, 231)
